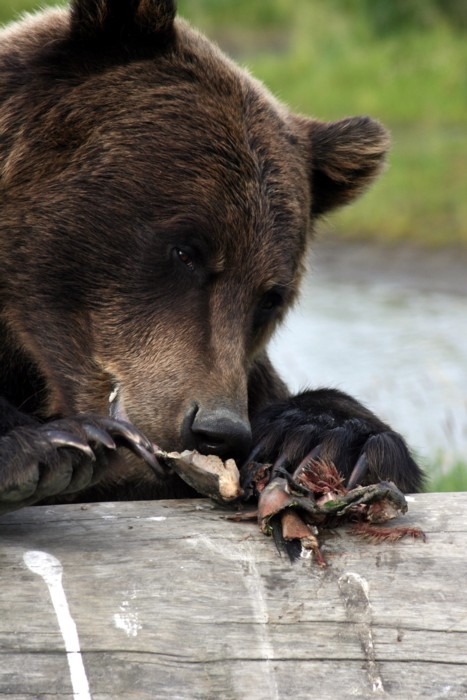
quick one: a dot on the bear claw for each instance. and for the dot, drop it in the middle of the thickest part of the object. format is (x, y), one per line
(358, 473)
(106, 432)
(149, 457)
(62, 438)
(134, 440)
(96, 434)
(126, 430)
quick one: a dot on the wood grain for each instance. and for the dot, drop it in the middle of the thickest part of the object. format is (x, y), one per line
(171, 600)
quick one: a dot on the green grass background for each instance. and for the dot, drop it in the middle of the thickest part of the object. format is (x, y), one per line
(402, 61)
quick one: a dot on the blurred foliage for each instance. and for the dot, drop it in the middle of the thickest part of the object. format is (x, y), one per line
(10, 9)
(452, 479)
(214, 13)
(402, 61)
(389, 16)
(384, 16)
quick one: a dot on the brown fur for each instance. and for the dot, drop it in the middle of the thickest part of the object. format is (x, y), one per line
(126, 135)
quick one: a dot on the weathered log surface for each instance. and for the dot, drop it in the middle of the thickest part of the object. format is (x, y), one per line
(172, 601)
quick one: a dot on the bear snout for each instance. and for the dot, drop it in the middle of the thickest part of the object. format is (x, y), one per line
(220, 431)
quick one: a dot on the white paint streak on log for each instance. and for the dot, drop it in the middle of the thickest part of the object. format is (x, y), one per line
(50, 570)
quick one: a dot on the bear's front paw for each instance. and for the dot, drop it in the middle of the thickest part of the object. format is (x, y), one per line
(62, 456)
(363, 449)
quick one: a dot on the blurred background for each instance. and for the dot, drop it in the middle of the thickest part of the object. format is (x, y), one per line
(384, 311)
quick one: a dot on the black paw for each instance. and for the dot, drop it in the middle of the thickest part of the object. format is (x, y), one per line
(62, 457)
(334, 427)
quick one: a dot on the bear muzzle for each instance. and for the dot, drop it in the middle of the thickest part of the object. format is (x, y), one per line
(220, 430)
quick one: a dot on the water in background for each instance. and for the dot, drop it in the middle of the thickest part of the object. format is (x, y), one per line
(400, 349)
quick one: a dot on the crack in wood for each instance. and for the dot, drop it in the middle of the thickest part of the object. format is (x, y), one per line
(355, 592)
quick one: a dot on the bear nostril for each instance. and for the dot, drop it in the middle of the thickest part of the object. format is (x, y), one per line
(221, 432)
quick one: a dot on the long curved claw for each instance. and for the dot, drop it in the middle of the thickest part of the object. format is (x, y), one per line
(149, 457)
(279, 467)
(358, 473)
(315, 452)
(96, 434)
(62, 438)
(119, 428)
(134, 440)
(255, 452)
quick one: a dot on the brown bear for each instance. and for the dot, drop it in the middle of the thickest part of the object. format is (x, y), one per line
(157, 206)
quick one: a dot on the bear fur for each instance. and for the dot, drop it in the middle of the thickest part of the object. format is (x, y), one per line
(157, 206)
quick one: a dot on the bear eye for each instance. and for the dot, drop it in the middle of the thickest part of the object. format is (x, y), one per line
(185, 258)
(271, 300)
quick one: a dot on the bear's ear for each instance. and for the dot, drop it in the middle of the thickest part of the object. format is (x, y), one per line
(117, 19)
(344, 158)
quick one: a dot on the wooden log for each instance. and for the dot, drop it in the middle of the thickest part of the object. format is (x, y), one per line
(168, 599)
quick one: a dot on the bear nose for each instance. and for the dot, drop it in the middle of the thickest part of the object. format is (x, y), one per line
(220, 431)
